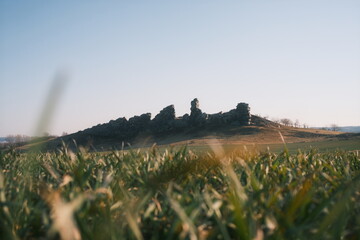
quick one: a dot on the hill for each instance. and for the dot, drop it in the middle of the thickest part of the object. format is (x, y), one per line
(235, 127)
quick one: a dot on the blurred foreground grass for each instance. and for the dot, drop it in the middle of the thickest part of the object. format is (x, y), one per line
(177, 194)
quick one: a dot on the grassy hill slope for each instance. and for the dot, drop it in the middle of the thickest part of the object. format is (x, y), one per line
(260, 134)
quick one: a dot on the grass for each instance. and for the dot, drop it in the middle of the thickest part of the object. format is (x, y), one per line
(323, 146)
(179, 194)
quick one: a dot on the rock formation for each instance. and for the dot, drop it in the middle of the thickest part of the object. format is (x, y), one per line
(197, 117)
(215, 119)
(165, 122)
(137, 124)
(243, 113)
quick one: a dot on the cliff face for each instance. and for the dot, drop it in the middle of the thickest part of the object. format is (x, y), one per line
(163, 123)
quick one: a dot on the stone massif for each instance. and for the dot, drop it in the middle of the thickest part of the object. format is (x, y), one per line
(197, 117)
(165, 122)
(243, 113)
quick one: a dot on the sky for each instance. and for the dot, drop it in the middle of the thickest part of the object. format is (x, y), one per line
(287, 59)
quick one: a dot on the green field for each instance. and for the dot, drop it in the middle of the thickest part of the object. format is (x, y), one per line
(225, 193)
(320, 146)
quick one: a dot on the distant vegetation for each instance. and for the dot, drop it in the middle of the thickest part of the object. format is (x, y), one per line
(12, 141)
(334, 127)
(353, 129)
(177, 194)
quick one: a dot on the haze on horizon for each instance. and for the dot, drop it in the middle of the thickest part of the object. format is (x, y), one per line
(297, 60)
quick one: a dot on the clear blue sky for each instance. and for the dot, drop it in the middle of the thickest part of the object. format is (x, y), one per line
(294, 59)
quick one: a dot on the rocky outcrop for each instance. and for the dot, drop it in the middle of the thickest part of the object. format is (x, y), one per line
(243, 113)
(197, 117)
(215, 119)
(165, 122)
(138, 123)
